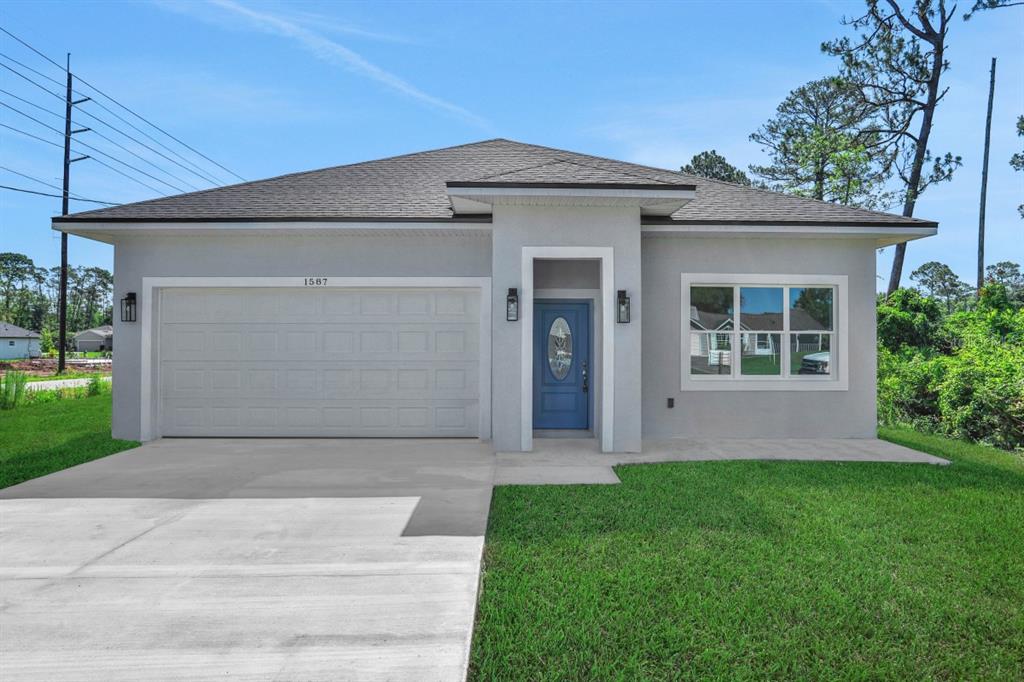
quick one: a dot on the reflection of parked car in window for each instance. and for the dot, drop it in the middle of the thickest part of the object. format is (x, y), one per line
(815, 363)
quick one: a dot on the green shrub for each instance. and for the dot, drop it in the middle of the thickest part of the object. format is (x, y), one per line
(981, 392)
(963, 378)
(12, 389)
(906, 318)
(95, 386)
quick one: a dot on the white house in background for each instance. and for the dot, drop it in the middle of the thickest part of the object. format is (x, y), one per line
(494, 290)
(17, 343)
(95, 339)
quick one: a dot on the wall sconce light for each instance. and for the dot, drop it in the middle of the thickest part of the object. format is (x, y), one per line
(128, 307)
(622, 310)
(512, 305)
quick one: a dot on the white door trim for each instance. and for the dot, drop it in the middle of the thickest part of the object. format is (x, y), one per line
(606, 255)
(149, 323)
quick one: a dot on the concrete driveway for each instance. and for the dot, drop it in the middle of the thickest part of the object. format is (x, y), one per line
(247, 559)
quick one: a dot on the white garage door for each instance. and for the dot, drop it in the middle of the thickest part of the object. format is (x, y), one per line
(319, 362)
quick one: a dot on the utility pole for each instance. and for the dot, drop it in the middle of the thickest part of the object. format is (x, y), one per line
(984, 179)
(62, 305)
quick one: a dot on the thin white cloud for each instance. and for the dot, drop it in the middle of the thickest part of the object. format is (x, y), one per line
(329, 25)
(330, 51)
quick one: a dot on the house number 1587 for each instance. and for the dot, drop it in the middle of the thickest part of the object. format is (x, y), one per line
(315, 281)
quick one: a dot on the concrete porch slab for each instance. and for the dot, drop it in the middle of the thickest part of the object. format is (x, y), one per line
(580, 461)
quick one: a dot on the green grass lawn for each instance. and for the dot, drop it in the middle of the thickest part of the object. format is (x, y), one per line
(753, 570)
(38, 439)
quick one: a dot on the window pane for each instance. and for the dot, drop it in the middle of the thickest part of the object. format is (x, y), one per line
(711, 353)
(761, 308)
(761, 354)
(810, 354)
(711, 308)
(560, 348)
(810, 308)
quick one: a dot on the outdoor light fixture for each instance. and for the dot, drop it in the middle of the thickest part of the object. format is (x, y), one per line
(128, 307)
(512, 305)
(622, 311)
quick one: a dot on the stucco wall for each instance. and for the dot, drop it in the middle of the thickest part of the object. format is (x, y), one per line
(767, 414)
(517, 226)
(22, 348)
(136, 257)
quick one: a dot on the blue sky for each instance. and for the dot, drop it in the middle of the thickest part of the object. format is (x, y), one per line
(269, 88)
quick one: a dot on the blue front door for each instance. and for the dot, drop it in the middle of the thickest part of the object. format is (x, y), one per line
(561, 364)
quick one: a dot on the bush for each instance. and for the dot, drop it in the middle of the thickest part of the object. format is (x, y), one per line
(906, 318)
(963, 378)
(95, 386)
(12, 389)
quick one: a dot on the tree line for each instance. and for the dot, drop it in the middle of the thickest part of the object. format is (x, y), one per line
(29, 297)
(860, 136)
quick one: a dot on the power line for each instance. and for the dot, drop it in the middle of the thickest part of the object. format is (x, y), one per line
(26, 66)
(129, 110)
(71, 195)
(205, 177)
(94, 149)
(38, 85)
(101, 135)
(48, 194)
(32, 48)
(141, 118)
(100, 162)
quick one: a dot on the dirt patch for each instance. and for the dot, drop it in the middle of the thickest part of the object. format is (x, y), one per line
(46, 367)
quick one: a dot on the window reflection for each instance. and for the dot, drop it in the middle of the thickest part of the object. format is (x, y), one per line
(711, 353)
(810, 353)
(810, 308)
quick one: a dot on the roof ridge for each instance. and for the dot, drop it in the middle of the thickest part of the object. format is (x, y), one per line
(721, 182)
(574, 162)
(517, 170)
(296, 174)
(773, 192)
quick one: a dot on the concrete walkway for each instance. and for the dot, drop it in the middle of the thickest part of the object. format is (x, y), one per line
(568, 461)
(247, 560)
(58, 383)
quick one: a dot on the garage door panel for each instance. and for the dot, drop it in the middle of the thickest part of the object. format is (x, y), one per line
(323, 362)
(191, 380)
(362, 418)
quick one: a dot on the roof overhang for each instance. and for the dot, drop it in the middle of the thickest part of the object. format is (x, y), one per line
(109, 230)
(883, 234)
(654, 199)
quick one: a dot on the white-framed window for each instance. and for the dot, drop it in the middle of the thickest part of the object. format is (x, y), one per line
(763, 332)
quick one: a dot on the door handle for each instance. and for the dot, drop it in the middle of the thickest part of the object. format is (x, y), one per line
(586, 387)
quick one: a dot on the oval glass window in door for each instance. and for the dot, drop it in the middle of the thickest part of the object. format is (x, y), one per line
(560, 348)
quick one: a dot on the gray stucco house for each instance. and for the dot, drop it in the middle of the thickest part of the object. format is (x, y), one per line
(493, 290)
(17, 343)
(96, 339)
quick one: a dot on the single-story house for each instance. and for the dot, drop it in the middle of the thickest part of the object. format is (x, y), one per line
(493, 290)
(17, 343)
(95, 339)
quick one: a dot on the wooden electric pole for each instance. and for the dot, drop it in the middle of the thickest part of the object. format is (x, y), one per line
(984, 178)
(62, 304)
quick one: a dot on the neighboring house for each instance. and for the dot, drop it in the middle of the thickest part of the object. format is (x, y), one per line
(483, 291)
(96, 339)
(17, 343)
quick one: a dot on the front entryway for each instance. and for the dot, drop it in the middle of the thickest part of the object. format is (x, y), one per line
(562, 368)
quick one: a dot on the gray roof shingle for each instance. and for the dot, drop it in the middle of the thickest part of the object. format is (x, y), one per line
(10, 331)
(413, 187)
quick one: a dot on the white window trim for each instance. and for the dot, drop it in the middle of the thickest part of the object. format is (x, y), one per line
(149, 327)
(838, 381)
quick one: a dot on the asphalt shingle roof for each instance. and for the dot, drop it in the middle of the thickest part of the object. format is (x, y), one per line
(10, 331)
(413, 187)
